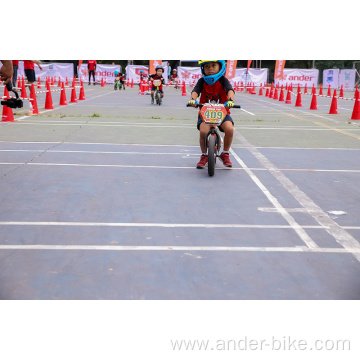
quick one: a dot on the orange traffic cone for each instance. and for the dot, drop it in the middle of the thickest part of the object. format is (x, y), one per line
(39, 83)
(305, 90)
(82, 91)
(281, 98)
(48, 99)
(73, 94)
(275, 94)
(333, 107)
(23, 89)
(63, 100)
(59, 83)
(261, 90)
(356, 111)
(267, 93)
(321, 90)
(184, 89)
(298, 98)
(342, 91)
(102, 82)
(132, 83)
(7, 113)
(329, 91)
(356, 92)
(128, 83)
(288, 96)
(313, 105)
(33, 100)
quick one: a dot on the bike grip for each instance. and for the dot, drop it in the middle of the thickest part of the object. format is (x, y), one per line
(9, 86)
(236, 107)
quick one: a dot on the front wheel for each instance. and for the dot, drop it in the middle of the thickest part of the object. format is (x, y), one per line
(211, 155)
(115, 86)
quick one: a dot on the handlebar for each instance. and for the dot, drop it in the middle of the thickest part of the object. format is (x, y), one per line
(201, 105)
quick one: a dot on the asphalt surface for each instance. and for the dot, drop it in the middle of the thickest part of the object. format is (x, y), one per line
(101, 199)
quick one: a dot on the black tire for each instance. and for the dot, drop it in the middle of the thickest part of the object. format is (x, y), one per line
(115, 86)
(211, 155)
(157, 96)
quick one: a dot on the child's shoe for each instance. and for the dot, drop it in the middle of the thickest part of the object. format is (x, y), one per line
(225, 158)
(202, 163)
(152, 101)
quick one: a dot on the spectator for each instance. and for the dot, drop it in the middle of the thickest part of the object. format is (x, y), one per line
(92, 69)
(6, 71)
(15, 68)
(169, 70)
(29, 68)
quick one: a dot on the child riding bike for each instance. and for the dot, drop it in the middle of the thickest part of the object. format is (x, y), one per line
(119, 80)
(214, 86)
(157, 76)
(174, 78)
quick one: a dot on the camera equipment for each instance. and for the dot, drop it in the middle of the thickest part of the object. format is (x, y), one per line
(14, 102)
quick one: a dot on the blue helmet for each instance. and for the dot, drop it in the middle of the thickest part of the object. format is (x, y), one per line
(211, 79)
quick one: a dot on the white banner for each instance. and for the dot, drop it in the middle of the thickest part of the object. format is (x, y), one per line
(133, 72)
(256, 76)
(347, 79)
(299, 76)
(331, 77)
(64, 70)
(189, 74)
(106, 72)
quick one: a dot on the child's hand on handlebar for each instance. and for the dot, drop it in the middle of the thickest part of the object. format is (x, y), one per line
(192, 103)
(229, 104)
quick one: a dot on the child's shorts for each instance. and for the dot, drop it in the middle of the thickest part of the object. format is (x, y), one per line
(227, 118)
(153, 89)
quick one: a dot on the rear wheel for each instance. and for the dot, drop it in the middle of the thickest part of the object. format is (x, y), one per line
(211, 155)
(115, 86)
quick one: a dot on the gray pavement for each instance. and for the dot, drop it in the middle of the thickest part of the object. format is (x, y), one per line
(101, 200)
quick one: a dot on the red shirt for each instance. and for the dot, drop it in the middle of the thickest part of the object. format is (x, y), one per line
(217, 91)
(91, 64)
(16, 62)
(29, 64)
(155, 77)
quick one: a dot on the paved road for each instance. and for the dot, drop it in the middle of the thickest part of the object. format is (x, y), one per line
(101, 200)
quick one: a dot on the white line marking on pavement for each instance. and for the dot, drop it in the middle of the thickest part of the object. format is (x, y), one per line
(248, 112)
(291, 221)
(160, 225)
(340, 235)
(302, 249)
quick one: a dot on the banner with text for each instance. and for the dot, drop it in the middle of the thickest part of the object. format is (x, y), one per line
(133, 72)
(256, 76)
(64, 70)
(347, 79)
(230, 68)
(331, 77)
(189, 74)
(106, 72)
(279, 69)
(299, 76)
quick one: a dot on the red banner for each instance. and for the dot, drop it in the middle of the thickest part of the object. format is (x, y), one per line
(279, 69)
(230, 69)
(153, 64)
